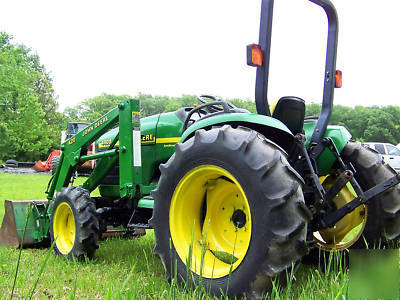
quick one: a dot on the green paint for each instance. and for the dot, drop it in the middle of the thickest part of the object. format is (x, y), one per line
(340, 136)
(146, 203)
(109, 190)
(29, 212)
(242, 118)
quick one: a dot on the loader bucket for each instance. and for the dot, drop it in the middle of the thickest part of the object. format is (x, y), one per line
(17, 213)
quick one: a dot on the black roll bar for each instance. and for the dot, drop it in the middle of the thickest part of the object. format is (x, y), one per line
(261, 92)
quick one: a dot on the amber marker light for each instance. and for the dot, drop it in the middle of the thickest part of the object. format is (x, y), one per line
(255, 55)
(338, 79)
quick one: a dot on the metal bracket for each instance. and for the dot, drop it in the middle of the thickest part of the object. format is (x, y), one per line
(340, 183)
(331, 219)
(300, 138)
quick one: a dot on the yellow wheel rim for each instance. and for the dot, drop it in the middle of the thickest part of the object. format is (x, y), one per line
(210, 221)
(349, 229)
(64, 228)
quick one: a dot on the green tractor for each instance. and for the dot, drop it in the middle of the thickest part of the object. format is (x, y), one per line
(235, 198)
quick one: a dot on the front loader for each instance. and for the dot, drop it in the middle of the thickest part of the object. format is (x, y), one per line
(235, 198)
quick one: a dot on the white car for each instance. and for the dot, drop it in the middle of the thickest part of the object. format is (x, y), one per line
(390, 153)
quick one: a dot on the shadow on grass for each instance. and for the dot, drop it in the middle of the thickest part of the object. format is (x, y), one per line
(138, 251)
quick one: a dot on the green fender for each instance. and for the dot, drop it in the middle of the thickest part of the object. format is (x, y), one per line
(271, 128)
(340, 136)
(276, 131)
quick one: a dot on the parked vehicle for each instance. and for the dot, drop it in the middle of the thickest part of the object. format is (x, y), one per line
(72, 129)
(390, 153)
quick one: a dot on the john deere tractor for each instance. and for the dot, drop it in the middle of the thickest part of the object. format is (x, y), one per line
(234, 198)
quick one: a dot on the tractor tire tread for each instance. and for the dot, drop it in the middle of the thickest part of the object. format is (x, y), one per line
(87, 224)
(54, 163)
(383, 215)
(282, 195)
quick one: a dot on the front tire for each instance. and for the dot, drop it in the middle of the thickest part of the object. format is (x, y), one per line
(73, 224)
(230, 210)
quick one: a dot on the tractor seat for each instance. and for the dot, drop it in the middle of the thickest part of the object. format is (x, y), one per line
(290, 111)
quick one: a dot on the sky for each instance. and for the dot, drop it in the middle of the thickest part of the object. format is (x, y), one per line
(176, 47)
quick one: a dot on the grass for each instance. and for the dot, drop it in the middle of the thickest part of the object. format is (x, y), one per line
(123, 268)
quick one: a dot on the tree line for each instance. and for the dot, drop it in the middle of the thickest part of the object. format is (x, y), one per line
(30, 125)
(367, 124)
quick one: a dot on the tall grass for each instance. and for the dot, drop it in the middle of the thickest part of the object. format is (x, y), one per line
(127, 268)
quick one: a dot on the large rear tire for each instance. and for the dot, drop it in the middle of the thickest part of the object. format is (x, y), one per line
(74, 224)
(382, 226)
(230, 210)
(375, 225)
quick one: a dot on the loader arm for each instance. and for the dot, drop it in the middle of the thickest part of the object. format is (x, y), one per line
(27, 223)
(128, 152)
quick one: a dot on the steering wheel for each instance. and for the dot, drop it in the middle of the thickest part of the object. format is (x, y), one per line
(190, 121)
(213, 108)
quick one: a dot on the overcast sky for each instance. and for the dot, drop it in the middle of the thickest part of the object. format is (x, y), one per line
(171, 47)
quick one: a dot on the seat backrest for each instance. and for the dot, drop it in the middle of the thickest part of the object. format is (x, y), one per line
(290, 111)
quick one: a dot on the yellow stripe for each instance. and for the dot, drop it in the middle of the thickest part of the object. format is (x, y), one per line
(167, 140)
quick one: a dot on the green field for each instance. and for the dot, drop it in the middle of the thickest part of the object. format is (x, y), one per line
(123, 268)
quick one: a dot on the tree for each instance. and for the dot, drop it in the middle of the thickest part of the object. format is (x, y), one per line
(366, 124)
(91, 109)
(29, 124)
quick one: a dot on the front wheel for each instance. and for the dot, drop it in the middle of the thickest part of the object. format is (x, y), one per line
(73, 224)
(229, 212)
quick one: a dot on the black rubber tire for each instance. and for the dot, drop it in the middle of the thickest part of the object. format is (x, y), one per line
(273, 190)
(11, 163)
(54, 164)
(86, 222)
(383, 213)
